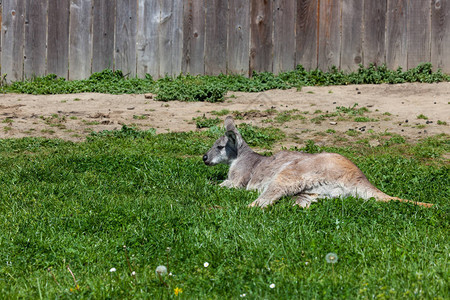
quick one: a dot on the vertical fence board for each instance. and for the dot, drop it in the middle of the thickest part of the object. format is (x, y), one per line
(419, 34)
(126, 30)
(352, 21)
(58, 38)
(13, 39)
(80, 41)
(440, 37)
(374, 32)
(329, 34)
(148, 38)
(1, 15)
(396, 34)
(261, 44)
(306, 34)
(171, 37)
(103, 35)
(194, 37)
(35, 47)
(216, 37)
(283, 35)
(238, 37)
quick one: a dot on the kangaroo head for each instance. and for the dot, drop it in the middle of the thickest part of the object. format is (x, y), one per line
(225, 149)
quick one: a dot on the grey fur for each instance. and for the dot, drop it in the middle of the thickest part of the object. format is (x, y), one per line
(307, 177)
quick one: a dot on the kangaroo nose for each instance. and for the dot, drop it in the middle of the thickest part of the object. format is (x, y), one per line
(205, 157)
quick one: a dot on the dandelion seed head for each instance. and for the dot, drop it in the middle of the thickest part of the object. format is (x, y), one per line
(331, 258)
(161, 271)
(112, 270)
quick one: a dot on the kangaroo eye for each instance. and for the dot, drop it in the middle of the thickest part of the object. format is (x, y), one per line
(220, 147)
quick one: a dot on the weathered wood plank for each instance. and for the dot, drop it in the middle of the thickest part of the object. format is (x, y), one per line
(126, 35)
(306, 34)
(283, 35)
(352, 22)
(194, 37)
(261, 44)
(171, 37)
(329, 34)
(149, 17)
(35, 48)
(440, 37)
(13, 39)
(374, 32)
(80, 42)
(1, 15)
(103, 35)
(238, 37)
(216, 37)
(58, 38)
(419, 33)
(396, 34)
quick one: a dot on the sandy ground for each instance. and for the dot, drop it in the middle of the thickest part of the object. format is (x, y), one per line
(392, 108)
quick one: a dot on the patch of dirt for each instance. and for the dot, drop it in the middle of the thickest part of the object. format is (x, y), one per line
(303, 115)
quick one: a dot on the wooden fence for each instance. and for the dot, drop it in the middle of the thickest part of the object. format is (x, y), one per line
(73, 38)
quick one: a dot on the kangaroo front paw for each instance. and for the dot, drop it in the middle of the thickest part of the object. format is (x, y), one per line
(227, 183)
(260, 203)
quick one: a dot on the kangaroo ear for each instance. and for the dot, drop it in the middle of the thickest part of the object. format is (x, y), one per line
(232, 138)
(229, 124)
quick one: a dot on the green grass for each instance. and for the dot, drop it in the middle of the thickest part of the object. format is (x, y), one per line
(213, 88)
(352, 111)
(290, 115)
(222, 112)
(204, 122)
(76, 205)
(365, 119)
(422, 116)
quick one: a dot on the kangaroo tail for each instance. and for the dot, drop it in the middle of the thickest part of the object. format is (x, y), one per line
(380, 196)
(389, 198)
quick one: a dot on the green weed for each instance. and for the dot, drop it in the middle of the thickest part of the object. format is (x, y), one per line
(422, 116)
(260, 137)
(213, 88)
(352, 111)
(222, 112)
(287, 116)
(364, 119)
(204, 122)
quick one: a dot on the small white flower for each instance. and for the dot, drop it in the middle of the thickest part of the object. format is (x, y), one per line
(133, 273)
(112, 270)
(161, 271)
(306, 263)
(243, 295)
(272, 286)
(206, 264)
(170, 274)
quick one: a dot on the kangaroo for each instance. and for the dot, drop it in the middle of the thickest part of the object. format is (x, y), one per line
(307, 177)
